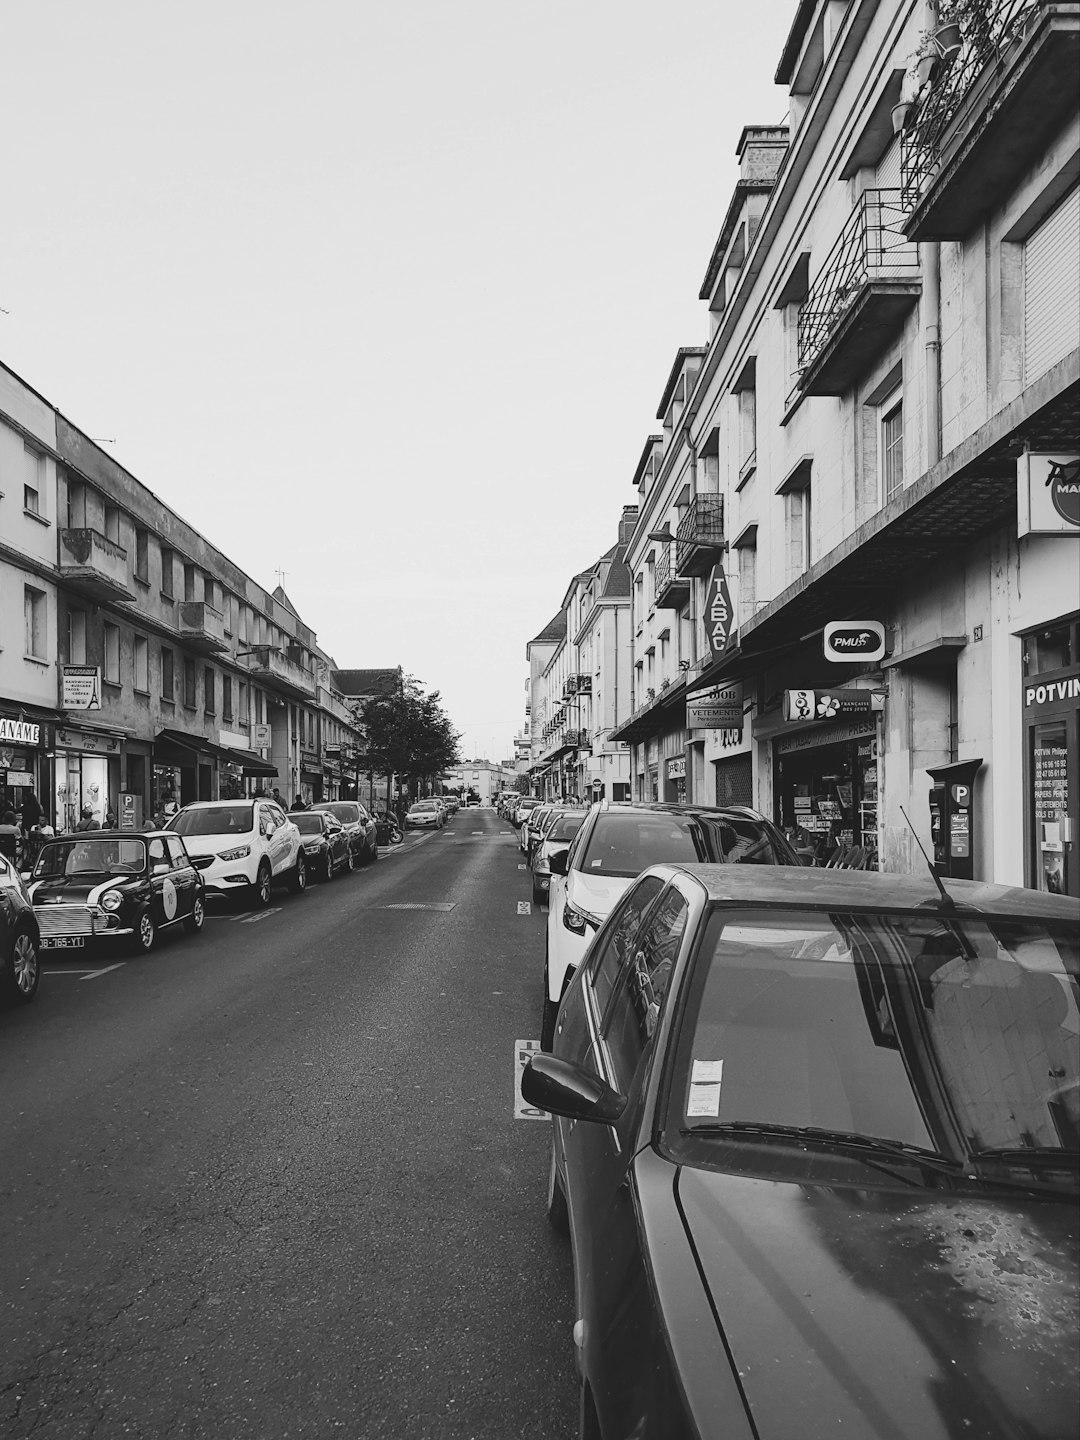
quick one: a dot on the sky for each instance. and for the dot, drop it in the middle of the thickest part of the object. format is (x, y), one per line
(380, 298)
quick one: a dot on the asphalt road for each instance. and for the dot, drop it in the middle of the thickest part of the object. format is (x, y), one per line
(267, 1181)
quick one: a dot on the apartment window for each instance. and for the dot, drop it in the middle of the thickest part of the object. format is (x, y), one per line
(209, 691)
(189, 582)
(112, 523)
(141, 664)
(168, 680)
(747, 432)
(168, 571)
(191, 698)
(208, 590)
(31, 500)
(892, 447)
(34, 486)
(243, 703)
(112, 654)
(76, 627)
(34, 612)
(227, 609)
(142, 555)
(76, 505)
(746, 550)
(226, 697)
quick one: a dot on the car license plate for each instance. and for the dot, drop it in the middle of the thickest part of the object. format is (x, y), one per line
(63, 942)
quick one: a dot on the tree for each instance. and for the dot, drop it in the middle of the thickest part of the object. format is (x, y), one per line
(408, 733)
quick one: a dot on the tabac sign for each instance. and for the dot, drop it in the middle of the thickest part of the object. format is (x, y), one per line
(718, 614)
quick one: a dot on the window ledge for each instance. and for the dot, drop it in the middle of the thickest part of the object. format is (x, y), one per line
(143, 581)
(40, 519)
(113, 684)
(144, 693)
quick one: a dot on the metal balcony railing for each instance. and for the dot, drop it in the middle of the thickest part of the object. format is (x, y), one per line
(987, 31)
(872, 247)
(700, 535)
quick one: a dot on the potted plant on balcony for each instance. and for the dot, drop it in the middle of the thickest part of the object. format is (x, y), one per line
(948, 32)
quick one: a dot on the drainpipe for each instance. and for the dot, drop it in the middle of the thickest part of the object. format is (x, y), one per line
(931, 266)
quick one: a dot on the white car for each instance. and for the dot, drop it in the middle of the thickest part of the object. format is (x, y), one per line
(425, 814)
(243, 847)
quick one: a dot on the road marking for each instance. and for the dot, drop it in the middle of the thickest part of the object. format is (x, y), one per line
(85, 974)
(434, 905)
(93, 975)
(522, 1050)
(260, 915)
(476, 832)
(524, 907)
(523, 867)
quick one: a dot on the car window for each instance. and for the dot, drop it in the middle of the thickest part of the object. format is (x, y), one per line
(640, 984)
(612, 951)
(177, 854)
(278, 815)
(627, 843)
(308, 822)
(214, 820)
(564, 826)
(156, 852)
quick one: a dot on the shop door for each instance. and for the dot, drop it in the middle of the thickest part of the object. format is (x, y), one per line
(1055, 792)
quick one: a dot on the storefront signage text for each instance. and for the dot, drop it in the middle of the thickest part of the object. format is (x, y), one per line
(718, 614)
(721, 708)
(676, 768)
(827, 735)
(81, 688)
(802, 705)
(92, 744)
(19, 732)
(854, 640)
(1051, 693)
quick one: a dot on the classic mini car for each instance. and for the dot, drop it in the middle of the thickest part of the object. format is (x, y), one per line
(815, 1144)
(20, 939)
(105, 885)
(358, 825)
(326, 844)
(425, 814)
(243, 847)
(618, 841)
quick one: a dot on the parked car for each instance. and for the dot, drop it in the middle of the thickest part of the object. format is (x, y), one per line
(531, 828)
(107, 885)
(326, 844)
(243, 847)
(617, 841)
(816, 1145)
(557, 835)
(358, 824)
(20, 939)
(525, 806)
(452, 803)
(425, 815)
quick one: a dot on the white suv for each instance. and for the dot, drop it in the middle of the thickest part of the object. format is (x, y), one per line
(243, 847)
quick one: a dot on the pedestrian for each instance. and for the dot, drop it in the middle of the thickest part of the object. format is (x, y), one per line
(110, 818)
(31, 811)
(9, 835)
(86, 820)
(275, 795)
(298, 804)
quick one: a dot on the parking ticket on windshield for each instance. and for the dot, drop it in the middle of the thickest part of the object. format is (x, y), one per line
(705, 1081)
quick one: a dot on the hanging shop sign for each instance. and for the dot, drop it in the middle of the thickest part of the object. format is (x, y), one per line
(847, 640)
(92, 744)
(803, 705)
(80, 687)
(718, 614)
(1047, 494)
(676, 768)
(260, 737)
(720, 709)
(19, 732)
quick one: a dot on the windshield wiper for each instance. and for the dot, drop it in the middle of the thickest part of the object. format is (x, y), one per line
(842, 1139)
(1041, 1155)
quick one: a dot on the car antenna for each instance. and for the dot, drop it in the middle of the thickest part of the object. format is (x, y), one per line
(946, 899)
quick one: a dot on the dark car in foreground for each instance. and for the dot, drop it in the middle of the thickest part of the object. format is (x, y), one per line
(358, 823)
(327, 848)
(815, 1143)
(20, 940)
(110, 885)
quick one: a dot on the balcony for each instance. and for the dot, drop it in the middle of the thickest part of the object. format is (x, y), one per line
(699, 540)
(94, 566)
(331, 704)
(671, 591)
(201, 627)
(989, 114)
(577, 685)
(868, 284)
(268, 665)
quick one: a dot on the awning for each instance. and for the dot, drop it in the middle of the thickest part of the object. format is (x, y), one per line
(649, 719)
(172, 740)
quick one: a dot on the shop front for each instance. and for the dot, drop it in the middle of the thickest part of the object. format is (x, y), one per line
(826, 782)
(24, 748)
(87, 776)
(1051, 710)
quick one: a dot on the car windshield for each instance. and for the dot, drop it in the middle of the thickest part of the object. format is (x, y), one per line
(342, 810)
(79, 856)
(565, 825)
(625, 844)
(956, 1035)
(423, 805)
(307, 823)
(215, 820)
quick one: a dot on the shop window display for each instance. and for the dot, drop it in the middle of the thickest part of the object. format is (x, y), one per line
(829, 801)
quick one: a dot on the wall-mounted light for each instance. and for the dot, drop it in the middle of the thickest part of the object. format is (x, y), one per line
(664, 533)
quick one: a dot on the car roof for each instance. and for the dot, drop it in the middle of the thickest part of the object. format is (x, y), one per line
(673, 807)
(106, 835)
(239, 800)
(792, 887)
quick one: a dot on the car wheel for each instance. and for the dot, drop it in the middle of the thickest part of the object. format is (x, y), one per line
(21, 979)
(557, 1213)
(193, 923)
(298, 879)
(264, 882)
(538, 894)
(142, 941)
(328, 868)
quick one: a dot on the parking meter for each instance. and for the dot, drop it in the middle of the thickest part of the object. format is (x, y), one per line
(953, 818)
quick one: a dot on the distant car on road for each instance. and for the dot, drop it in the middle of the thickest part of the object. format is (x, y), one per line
(243, 847)
(100, 886)
(20, 939)
(816, 1144)
(425, 815)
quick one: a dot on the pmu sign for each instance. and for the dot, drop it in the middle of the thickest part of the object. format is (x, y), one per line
(854, 640)
(718, 614)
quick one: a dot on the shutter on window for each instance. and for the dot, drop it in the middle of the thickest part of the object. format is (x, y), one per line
(888, 169)
(1052, 288)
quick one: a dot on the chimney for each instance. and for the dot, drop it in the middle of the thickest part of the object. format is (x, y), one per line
(627, 523)
(761, 150)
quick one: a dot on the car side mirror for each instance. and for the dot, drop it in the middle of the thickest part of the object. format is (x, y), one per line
(557, 861)
(570, 1090)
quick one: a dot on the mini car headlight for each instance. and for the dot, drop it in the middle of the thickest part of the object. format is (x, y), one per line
(238, 854)
(578, 920)
(112, 900)
(540, 865)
